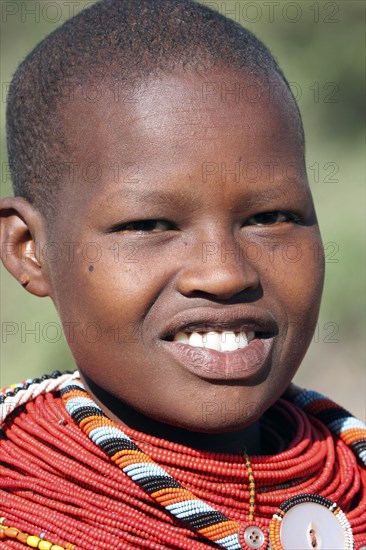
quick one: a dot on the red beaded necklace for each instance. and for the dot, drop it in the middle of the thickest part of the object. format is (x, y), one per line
(58, 485)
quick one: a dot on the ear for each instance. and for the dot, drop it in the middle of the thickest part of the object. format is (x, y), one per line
(22, 233)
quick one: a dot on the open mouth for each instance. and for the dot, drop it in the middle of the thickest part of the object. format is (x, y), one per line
(222, 344)
(223, 340)
(221, 355)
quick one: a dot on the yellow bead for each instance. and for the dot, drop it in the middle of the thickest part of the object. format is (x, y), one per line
(45, 545)
(55, 547)
(33, 541)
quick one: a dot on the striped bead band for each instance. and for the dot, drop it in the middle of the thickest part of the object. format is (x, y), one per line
(340, 422)
(151, 477)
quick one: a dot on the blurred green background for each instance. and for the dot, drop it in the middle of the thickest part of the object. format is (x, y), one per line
(320, 46)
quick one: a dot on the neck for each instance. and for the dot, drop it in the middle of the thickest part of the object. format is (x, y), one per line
(227, 442)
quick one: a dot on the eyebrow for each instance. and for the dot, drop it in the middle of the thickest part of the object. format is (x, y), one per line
(267, 196)
(187, 200)
(154, 197)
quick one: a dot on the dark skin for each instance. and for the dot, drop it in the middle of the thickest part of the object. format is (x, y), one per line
(169, 134)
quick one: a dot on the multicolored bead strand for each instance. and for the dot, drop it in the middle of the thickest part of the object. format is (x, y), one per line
(33, 541)
(251, 487)
(252, 534)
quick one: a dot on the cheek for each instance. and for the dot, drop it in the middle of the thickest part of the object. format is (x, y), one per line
(100, 278)
(102, 299)
(295, 277)
(294, 268)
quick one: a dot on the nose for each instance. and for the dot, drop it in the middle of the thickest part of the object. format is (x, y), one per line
(219, 269)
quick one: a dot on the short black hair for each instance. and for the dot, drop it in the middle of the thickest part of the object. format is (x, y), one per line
(134, 38)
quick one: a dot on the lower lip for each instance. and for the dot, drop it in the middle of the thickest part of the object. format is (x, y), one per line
(242, 364)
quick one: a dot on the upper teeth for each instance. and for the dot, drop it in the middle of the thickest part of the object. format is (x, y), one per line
(226, 340)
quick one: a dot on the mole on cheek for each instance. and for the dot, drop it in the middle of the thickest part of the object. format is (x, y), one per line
(91, 267)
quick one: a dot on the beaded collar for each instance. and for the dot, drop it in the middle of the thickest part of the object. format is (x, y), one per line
(340, 422)
(152, 478)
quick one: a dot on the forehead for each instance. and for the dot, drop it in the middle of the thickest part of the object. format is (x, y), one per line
(180, 131)
(183, 108)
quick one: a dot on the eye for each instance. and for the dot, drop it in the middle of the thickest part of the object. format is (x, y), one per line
(272, 218)
(144, 226)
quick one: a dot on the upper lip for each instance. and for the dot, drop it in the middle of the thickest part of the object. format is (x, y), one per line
(231, 318)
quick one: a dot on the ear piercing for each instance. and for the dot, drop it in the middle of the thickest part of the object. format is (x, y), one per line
(24, 278)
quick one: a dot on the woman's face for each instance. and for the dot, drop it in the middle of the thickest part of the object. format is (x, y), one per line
(189, 212)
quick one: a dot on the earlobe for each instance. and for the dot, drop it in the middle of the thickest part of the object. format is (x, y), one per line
(22, 231)
(24, 279)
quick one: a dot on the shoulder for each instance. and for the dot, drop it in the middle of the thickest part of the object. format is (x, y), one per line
(341, 423)
(15, 395)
